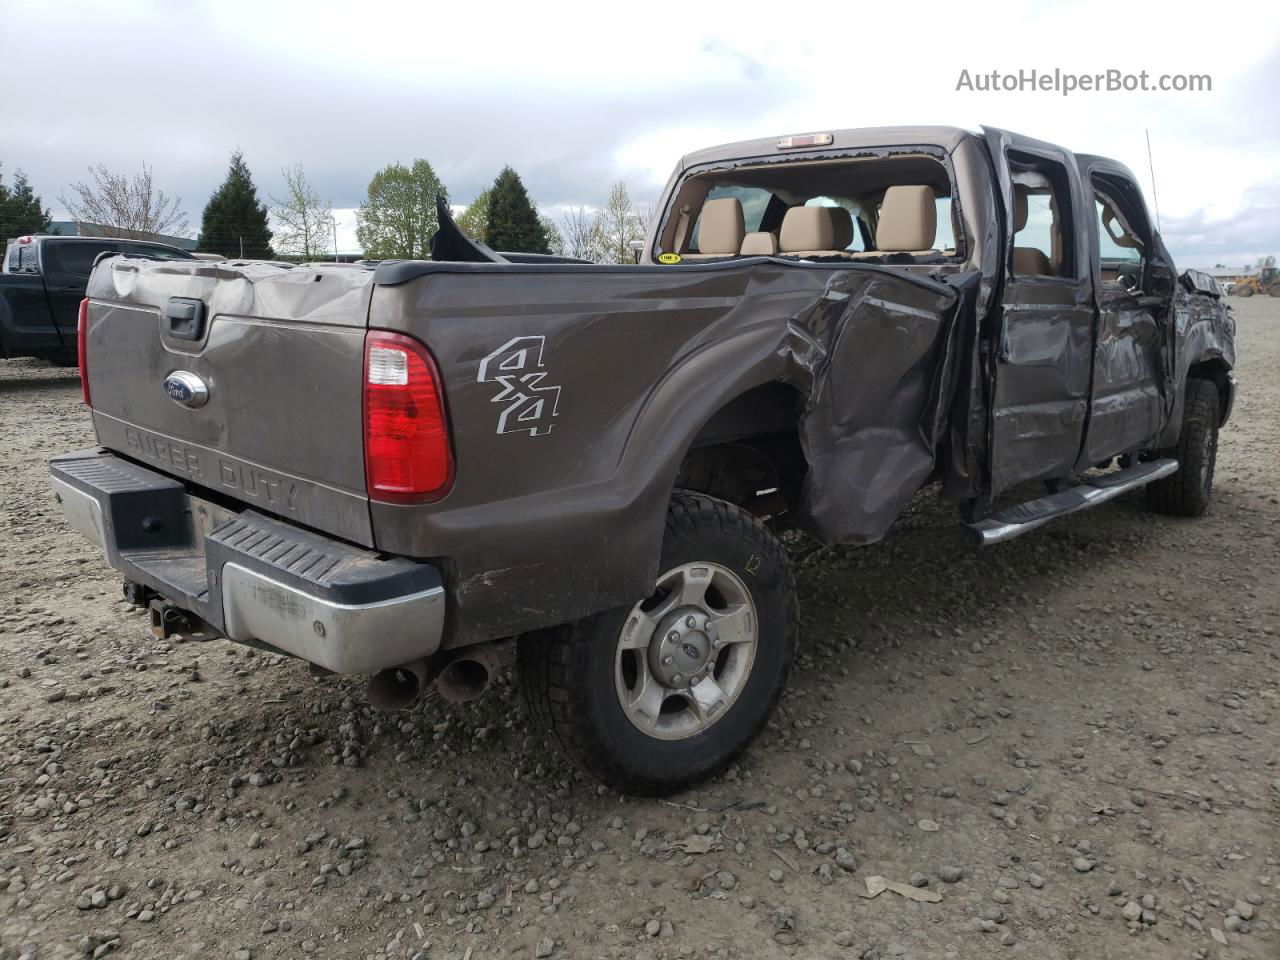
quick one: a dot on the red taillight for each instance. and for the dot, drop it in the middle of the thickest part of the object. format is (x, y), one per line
(82, 335)
(407, 456)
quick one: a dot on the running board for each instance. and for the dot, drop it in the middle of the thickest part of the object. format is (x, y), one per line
(1018, 520)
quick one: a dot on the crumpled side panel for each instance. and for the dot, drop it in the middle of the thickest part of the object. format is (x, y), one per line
(879, 392)
(1204, 330)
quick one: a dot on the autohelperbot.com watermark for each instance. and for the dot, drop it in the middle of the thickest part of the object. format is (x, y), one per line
(1065, 82)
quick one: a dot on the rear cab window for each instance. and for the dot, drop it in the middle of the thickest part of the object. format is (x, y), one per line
(157, 252)
(75, 258)
(22, 259)
(853, 188)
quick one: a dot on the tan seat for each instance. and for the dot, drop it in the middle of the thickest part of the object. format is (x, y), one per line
(808, 232)
(1027, 261)
(908, 220)
(721, 228)
(842, 222)
(759, 244)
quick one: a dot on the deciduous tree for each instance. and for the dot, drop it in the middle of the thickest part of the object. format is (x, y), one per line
(555, 242)
(581, 239)
(398, 218)
(305, 221)
(617, 224)
(125, 206)
(474, 221)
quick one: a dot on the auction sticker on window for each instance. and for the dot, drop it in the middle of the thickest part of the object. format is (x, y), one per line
(668, 258)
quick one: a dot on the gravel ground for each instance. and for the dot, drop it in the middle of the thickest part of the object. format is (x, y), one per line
(1069, 744)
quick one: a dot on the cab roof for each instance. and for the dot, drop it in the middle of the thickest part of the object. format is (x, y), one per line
(947, 138)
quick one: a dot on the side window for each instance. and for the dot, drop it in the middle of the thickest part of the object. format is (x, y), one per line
(1119, 248)
(1044, 237)
(946, 236)
(1122, 226)
(75, 259)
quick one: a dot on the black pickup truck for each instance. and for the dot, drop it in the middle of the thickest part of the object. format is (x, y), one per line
(413, 468)
(42, 281)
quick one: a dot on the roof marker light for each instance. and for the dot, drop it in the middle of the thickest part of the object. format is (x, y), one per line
(806, 140)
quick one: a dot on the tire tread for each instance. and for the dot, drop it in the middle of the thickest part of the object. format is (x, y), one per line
(1180, 494)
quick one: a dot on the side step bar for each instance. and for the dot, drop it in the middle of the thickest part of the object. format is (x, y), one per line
(1024, 517)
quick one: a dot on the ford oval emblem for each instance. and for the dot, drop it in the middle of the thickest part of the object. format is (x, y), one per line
(186, 388)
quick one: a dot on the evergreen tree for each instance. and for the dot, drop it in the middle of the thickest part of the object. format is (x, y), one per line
(514, 224)
(235, 222)
(20, 210)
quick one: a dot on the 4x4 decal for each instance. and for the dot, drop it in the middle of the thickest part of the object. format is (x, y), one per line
(517, 368)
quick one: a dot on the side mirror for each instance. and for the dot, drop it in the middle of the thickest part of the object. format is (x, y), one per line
(637, 248)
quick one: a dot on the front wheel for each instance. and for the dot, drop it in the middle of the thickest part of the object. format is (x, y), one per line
(1187, 493)
(655, 697)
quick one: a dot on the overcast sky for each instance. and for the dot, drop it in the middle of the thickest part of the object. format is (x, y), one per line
(575, 98)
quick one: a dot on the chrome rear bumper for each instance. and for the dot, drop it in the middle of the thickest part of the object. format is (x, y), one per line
(252, 578)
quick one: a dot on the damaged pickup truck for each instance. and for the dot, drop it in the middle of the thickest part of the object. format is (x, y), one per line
(407, 470)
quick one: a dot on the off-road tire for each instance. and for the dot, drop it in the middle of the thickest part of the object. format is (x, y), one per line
(1187, 493)
(567, 673)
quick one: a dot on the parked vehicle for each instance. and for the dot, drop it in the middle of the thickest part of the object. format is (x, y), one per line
(408, 470)
(42, 281)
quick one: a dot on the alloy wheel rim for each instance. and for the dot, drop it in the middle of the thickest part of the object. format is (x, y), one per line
(685, 653)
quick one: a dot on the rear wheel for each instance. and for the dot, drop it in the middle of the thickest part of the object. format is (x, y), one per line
(654, 697)
(1187, 493)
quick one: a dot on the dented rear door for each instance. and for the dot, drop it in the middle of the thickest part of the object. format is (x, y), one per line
(1044, 331)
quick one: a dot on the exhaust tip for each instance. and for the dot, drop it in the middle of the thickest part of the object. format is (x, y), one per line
(398, 687)
(463, 679)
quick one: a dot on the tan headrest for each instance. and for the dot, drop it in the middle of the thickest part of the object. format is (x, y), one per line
(908, 219)
(842, 223)
(1029, 261)
(759, 244)
(721, 227)
(807, 228)
(1019, 207)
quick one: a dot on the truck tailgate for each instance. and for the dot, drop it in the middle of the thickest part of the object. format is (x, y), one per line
(279, 351)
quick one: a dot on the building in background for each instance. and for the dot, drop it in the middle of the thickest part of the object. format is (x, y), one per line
(70, 228)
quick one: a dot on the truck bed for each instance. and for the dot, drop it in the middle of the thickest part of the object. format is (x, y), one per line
(573, 393)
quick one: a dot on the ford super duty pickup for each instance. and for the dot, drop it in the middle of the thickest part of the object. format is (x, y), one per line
(408, 468)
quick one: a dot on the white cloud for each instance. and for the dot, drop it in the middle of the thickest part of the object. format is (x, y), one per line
(577, 95)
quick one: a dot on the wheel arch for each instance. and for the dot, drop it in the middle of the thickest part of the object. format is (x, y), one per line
(748, 451)
(1218, 372)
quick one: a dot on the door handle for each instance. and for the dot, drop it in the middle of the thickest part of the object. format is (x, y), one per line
(184, 318)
